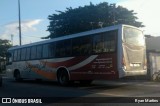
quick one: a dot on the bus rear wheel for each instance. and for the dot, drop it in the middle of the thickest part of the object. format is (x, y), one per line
(63, 78)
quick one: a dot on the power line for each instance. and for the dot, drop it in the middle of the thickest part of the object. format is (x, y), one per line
(32, 36)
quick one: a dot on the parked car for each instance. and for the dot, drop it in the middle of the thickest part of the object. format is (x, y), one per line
(0, 80)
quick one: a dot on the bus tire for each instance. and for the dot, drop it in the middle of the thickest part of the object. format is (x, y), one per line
(17, 75)
(63, 77)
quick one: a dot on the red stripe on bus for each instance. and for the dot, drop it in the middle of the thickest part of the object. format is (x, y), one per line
(67, 63)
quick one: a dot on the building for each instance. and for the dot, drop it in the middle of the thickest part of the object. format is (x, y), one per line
(153, 57)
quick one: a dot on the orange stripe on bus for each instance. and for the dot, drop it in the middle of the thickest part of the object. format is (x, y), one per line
(48, 75)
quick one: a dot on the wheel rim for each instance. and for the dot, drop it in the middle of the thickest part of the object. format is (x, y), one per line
(63, 78)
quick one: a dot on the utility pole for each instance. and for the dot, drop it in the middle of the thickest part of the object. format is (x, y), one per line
(12, 39)
(20, 42)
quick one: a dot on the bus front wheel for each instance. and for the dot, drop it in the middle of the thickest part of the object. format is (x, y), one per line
(63, 78)
(17, 75)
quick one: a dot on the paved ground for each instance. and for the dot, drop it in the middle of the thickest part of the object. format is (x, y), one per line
(98, 89)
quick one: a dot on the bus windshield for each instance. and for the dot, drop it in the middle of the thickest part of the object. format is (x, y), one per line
(133, 36)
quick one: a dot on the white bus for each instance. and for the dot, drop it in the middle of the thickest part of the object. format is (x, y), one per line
(106, 53)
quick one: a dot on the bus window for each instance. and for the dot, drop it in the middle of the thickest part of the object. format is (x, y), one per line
(33, 52)
(60, 49)
(104, 42)
(76, 50)
(63, 48)
(82, 45)
(133, 36)
(39, 51)
(45, 51)
(23, 54)
(86, 47)
(18, 54)
(98, 43)
(28, 53)
(51, 50)
(109, 41)
(112, 46)
(15, 55)
(68, 47)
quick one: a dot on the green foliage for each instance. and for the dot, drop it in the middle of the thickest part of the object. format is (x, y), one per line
(89, 17)
(4, 45)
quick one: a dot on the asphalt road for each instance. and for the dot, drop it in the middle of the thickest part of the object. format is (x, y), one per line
(98, 89)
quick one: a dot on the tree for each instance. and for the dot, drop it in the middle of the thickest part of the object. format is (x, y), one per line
(4, 45)
(89, 17)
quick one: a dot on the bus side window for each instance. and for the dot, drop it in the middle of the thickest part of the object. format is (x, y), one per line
(104, 42)
(28, 53)
(63, 48)
(86, 45)
(109, 41)
(76, 50)
(45, 50)
(39, 51)
(23, 54)
(15, 55)
(33, 52)
(68, 47)
(60, 49)
(51, 50)
(98, 43)
(18, 54)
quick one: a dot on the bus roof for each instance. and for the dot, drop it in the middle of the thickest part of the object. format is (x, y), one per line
(94, 31)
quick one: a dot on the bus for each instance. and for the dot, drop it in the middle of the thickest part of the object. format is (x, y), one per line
(106, 53)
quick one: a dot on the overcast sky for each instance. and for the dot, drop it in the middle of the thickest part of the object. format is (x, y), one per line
(34, 14)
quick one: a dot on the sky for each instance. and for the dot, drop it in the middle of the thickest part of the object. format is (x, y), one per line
(34, 16)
